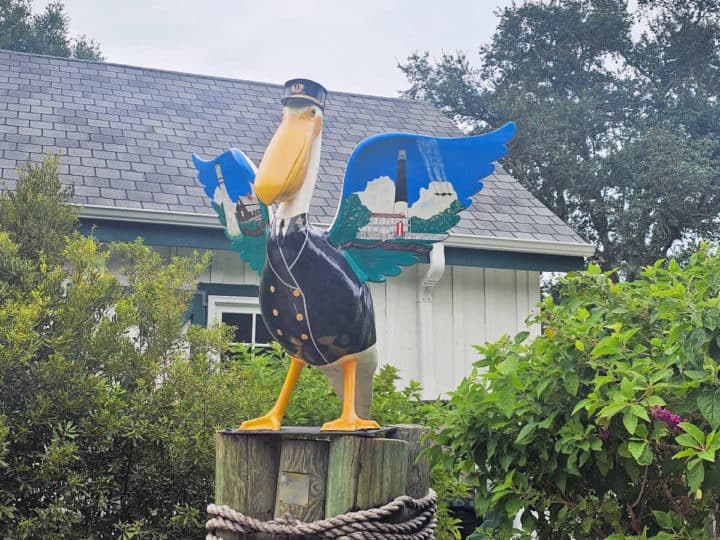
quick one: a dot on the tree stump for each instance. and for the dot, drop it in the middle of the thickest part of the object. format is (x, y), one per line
(315, 474)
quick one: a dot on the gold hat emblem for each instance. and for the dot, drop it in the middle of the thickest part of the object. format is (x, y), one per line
(297, 87)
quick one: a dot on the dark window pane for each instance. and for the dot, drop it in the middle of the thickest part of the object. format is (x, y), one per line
(261, 332)
(243, 324)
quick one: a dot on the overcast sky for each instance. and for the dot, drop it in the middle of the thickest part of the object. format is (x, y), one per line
(347, 45)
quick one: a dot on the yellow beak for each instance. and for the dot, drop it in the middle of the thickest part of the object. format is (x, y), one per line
(285, 162)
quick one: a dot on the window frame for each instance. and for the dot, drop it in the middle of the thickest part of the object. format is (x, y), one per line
(219, 304)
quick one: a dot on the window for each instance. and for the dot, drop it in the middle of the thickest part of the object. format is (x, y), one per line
(242, 312)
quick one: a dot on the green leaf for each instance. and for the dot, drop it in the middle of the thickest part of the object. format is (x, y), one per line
(606, 346)
(640, 411)
(646, 458)
(520, 337)
(686, 440)
(693, 431)
(630, 421)
(636, 448)
(525, 433)
(664, 519)
(579, 345)
(580, 405)
(641, 452)
(571, 382)
(561, 481)
(543, 384)
(627, 388)
(709, 404)
(509, 365)
(513, 506)
(506, 401)
(685, 453)
(696, 475)
(611, 410)
(696, 375)
(654, 401)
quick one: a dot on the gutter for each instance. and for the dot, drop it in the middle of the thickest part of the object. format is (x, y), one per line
(210, 221)
(426, 334)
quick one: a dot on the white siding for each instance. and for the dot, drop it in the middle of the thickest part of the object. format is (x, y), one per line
(470, 306)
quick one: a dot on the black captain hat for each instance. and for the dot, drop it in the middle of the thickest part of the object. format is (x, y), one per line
(304, 90)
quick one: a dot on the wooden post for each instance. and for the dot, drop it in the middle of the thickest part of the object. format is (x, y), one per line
(364, 473)
(418, 470)
(314, 474)
(242, 468)
(302, 478)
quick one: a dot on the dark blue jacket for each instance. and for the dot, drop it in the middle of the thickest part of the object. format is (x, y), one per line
(311, 300)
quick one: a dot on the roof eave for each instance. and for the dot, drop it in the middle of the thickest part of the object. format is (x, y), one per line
(466, 241)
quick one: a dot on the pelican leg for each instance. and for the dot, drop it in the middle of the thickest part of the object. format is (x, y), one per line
(349, 420)
(271, 421)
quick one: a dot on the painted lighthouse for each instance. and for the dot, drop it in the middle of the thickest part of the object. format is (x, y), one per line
(390, 222)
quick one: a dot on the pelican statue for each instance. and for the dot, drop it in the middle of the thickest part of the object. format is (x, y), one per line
(401, 193)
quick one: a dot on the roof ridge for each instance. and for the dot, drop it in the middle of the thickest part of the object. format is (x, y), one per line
(203, 76)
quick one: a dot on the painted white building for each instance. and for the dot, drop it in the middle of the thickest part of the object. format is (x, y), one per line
(125, 135)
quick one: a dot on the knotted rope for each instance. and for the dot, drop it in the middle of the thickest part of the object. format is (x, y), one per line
(387, 522)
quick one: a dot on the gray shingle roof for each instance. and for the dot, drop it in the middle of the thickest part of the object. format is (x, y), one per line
(125, 136)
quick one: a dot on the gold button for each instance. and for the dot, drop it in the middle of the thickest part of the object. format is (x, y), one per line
(275, 312)
(303, 337)
(279, 332)
(299, 317)
(296, 292)
(272, 288)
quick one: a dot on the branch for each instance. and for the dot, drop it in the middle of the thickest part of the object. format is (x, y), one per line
(669, 496)
(634, 521)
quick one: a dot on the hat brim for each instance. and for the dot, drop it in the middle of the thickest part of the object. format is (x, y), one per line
(301, 97)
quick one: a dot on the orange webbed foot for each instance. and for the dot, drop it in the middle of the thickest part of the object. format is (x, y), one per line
(349, 423)
(269, 422)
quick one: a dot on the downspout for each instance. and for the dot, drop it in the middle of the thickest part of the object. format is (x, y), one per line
(426, 341)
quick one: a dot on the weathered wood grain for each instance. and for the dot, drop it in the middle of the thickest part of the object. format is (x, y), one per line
(343, 470)
(382, 473)
(245, 473)
(418, 472)
(310, 459)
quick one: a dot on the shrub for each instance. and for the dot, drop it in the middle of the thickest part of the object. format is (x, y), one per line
(605, 425)
(106, 421)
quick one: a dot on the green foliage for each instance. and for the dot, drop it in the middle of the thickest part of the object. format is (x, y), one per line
(617, 134)
(108, 401)
(23, 211)
(608, 422)
(44, 33)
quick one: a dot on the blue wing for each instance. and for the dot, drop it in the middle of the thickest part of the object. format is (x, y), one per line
(403, 192)
(227, 180)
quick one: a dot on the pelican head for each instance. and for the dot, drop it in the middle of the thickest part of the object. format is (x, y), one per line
(292, 156)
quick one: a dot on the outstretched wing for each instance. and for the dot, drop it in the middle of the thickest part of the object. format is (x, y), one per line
(403, 192)
(227, 180)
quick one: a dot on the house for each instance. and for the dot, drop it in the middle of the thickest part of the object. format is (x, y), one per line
(125, 136)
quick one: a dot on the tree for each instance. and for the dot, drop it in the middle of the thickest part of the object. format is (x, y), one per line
(618, 136)
(45, 33)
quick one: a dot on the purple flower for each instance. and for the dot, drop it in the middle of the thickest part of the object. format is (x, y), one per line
(659, 413)
(605, 435)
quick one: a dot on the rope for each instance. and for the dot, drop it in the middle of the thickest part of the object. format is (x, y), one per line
(383, 522)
